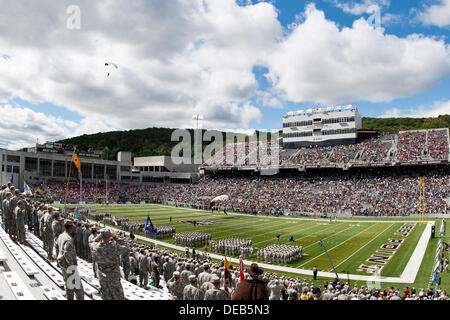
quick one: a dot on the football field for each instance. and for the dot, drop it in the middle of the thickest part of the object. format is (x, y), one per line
(355, 246)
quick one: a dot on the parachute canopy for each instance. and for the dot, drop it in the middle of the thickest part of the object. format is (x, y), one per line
(108, 64)
(221, 198)
(111, 64)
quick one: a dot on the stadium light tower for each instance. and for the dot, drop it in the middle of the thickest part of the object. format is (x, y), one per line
(197, 117)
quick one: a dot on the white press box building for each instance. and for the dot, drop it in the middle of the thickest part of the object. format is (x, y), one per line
(321, 127)
(50, 161)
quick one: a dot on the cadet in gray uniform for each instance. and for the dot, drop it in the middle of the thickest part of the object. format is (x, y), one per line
(191, 291)
(107, 256)
(144, 265)
(67, 260)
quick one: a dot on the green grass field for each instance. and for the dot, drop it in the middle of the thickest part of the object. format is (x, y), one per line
(349, 242)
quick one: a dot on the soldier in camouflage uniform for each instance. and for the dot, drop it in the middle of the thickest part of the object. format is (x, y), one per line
(86, 234)
(133, 265)
(67, 260)
(204, 276)
(57, 228)
(2, 197)
(143, 265)
(191, 291)
(106, 254)
(176, 286)
(216, 293)
(168, 269)
(20, 222)
(47, 233)
(91, 242)
(12, 211)
(6, 213)
(156, 274)
(125, 257)
(29, 214)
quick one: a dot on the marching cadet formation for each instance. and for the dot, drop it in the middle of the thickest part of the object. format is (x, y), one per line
(232, 246)
(280, 253)
(192, 239)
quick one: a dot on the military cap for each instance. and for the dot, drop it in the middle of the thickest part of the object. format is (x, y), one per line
(215, 280)
(105, 233)
(68, 223)
(192, 278)
(176, 273)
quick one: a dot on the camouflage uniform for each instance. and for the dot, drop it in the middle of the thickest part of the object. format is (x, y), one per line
(125, 257)
(168, 269)
(217, 294)
(20, 224)
(91, 242)
(143, 265)
(176, 286)
(107, 257)
(47, 234)
(156, 276)
(87, 250)
(67, 260)
(191, 291)
(5, 217)
(12, 219)
(57, 228)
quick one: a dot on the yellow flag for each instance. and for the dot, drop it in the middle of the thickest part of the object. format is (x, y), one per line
(226, 264)
(76, 161)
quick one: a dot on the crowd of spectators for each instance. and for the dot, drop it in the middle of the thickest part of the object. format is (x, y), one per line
(375, 191)
(409, 146)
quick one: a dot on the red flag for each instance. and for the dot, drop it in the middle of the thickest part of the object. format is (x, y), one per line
(241, 269)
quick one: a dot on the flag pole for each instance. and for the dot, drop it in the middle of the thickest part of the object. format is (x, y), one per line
(81, 186)
(67, 187)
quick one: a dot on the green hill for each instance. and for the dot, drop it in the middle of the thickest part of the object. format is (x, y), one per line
(157, 141)
(401, 124)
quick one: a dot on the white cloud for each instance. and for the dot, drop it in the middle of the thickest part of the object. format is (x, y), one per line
(182, 57)
(175, 57)
(437, 14)
(438, 108)
(321, 63)
(359, 8)
(20, 127)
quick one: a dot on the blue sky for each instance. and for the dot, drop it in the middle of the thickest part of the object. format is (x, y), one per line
(289, 9)
(241, 64)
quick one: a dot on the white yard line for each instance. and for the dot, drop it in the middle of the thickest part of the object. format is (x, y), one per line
(302, 231)
(329, 250)
(364, 245)
(412, 268)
